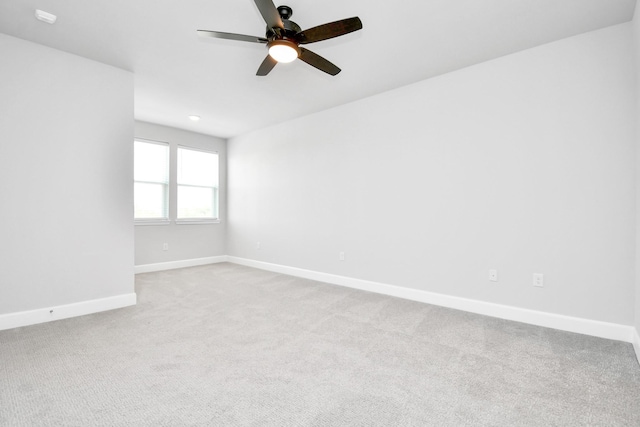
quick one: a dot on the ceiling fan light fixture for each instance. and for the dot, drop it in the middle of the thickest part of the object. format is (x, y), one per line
(283, 50)
(283, 38)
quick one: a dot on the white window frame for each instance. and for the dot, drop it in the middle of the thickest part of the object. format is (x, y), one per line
(216, 190)
(157, 221)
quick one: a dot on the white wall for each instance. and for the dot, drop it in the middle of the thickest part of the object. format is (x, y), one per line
(525, 164)
(636, 45)
(186, 241)
(66, 167)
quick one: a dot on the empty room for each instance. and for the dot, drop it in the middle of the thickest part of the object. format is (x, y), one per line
(248, 213)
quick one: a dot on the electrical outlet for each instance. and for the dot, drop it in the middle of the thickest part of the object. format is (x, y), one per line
(341, 256)
(165, 246)
(538, 280)
(257, 245)
(493, 275)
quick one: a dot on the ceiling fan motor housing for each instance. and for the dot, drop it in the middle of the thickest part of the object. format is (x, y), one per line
(290, 27)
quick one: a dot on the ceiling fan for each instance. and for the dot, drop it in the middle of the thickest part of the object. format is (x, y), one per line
(284, 37)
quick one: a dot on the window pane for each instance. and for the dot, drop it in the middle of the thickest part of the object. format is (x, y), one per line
(197, 202)
(149, 200)
(151, 162)
(197, 168)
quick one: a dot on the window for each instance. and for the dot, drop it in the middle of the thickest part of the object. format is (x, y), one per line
(151, 181)
(197, 185)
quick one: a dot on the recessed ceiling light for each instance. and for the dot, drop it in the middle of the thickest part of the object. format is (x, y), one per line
(194, 118)
(45, 16)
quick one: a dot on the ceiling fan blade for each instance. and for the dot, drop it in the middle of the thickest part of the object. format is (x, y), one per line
(318, 61)
(231, 36)
(329, 31)
(266, 66)
(269, 13)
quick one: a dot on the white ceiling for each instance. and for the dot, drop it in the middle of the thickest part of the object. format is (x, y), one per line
(402, 42)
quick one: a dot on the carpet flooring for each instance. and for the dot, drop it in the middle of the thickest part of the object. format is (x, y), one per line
(227, 345)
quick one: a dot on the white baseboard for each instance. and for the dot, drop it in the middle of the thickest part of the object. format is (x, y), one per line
(578, 325)
(49, 314)
(636, 343)
(162, 266)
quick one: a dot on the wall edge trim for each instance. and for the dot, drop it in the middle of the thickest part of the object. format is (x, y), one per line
(50, 314)
(636, 343)
(578, 325)
(172, 265)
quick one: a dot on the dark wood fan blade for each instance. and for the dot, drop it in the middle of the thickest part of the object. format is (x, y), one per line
(231, 36)
(329, 31)
(318, 61)
(266, 66)
(269, 13)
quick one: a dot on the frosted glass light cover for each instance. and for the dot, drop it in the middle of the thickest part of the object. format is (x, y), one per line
(283, 53)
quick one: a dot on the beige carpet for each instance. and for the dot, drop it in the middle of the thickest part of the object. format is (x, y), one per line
(227, 345)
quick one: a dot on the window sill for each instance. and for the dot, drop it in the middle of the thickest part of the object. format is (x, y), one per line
(197, 221)
(177, 221)
(151, 222)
